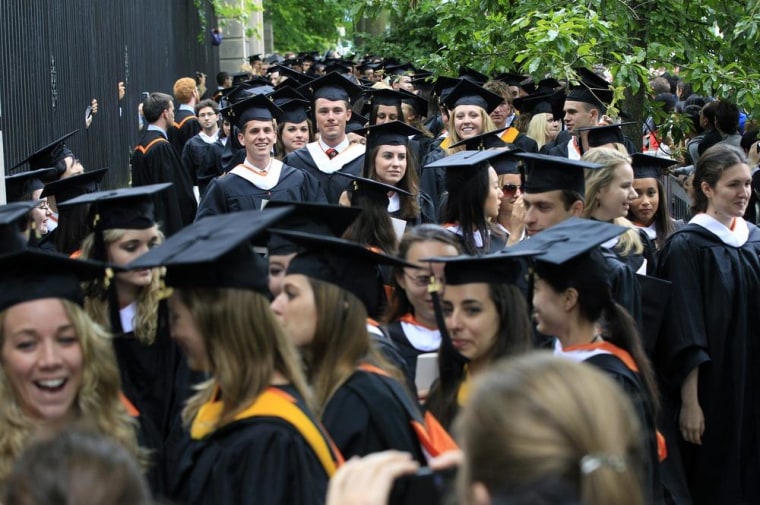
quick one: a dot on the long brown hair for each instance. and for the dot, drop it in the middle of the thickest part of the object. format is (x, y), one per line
(341, 342)
(244, 345)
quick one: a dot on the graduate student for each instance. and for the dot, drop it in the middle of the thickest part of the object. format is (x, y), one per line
(250, 435)
(708, 349)
(361, 399)
(261, 177)
(132, 307)
(571, 295)
(331, 97)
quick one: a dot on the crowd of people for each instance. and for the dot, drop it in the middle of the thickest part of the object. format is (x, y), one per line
(355, 282)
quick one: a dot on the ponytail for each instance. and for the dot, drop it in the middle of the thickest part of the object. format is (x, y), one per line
(622, 331)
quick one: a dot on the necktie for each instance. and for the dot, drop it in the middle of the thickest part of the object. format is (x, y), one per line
(331, 153)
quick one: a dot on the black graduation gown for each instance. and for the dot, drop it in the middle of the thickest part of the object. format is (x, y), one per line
(154, 161)
(232, 193)
(631, 383)
(713, 324)
(199, 160)
(333, 185)
(624, 284)
(254, 461)
(156, 380)
(405, 348)
(427, 211)
(185, 127)
(366, 415)
(433, 180)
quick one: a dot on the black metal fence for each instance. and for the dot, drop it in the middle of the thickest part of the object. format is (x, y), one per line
(56, 55)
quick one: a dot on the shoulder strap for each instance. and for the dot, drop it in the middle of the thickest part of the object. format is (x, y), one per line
(144, 149)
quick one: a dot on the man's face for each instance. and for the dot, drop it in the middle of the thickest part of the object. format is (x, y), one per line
(207, 117)
(580, 115)
(331, 116)
(258, 137)
(543, 210)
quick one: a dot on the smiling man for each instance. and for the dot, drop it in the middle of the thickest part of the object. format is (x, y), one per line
(332, 152)
(260, 178)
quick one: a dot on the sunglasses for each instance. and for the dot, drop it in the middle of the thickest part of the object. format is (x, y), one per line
(511, 189)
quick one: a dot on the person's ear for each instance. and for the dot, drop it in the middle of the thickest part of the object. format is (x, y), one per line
(576, 209)
(569, 298)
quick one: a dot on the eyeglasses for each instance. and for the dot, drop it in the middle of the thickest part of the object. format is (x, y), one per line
(511, 189)
(420, 280)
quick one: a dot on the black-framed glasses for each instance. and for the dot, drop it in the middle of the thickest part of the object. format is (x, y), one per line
(511, 189)
(420, 280)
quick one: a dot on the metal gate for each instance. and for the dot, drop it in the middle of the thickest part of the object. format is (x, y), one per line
(56, 55)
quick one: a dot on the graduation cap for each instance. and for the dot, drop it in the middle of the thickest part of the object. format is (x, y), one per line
(14, 220)
(71, 187)
(419, 104)
(339, 68)
(542, 103)
(245, 90)
(464, 165)
(399, 69)
(468, 93)
(365, 190)
(215, 252)
(522, 81)
(314, 218)
(549, 173)
(257, 107)
(502, 267)
(333, 87)
(280, 95)
(343, 263)
(356, 122)
(20, 186)
(394, 133)
(126, 208)
(294, 111)
(30, 274)
(547, 85)
(445, 85)
(239, 77)
(384, 96)
(606, 134)
(298, 77)
(472, 75)
(486, 140)
(591, 89)
(649, 167)
(571, 249)
(49, 155)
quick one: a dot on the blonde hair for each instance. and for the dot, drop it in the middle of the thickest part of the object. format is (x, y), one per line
(98, 402)
(629, 242)
(537, 128)
(537, 417)
(486, 120)
(244, 345)
(96, 293)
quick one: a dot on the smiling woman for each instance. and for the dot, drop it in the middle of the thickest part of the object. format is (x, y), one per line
(57, 366)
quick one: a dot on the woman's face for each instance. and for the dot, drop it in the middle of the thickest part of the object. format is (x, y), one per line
(548, 308)
(386, 114)
(130, 246)
(42, 358)
(278, 265)
(295, 136)
(471, 319)
(468, 121)
(390, 164)
(615, 199)
(226, 128)
(185, 332)
(40, 216)
(296, 310)
(730, 196)
(414, 281)
(510, 185)
(495, 195)
(552, 127)
(644, 206)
